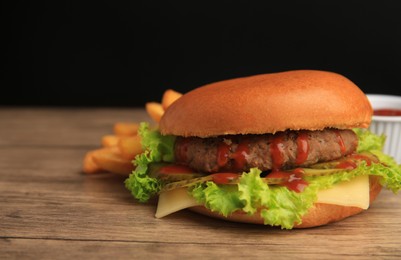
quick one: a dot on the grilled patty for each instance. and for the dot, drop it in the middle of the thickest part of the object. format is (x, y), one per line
(283, 150)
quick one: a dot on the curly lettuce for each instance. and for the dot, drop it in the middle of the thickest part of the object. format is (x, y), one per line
(391, 174)
(281, 206)
(157, 148)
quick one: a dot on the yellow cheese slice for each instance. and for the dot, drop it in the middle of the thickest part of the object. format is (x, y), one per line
(352, 193)
(349, 193)
(174, 200)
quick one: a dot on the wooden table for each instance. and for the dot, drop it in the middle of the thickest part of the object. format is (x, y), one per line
(49, 209)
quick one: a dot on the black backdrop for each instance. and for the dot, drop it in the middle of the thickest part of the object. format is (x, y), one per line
(105, 53)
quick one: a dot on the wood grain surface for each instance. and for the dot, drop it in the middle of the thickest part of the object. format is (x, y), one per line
(49, 209)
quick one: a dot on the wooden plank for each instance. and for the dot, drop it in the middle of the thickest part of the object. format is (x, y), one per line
(71, 249)
(47, 198)
(50, 209)
(62, 126)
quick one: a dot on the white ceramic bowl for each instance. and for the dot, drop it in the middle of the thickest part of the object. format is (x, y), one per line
(390, 126)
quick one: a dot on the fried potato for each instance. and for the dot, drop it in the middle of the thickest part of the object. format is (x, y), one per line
(126, 128)
(169, 97)
(89, 165)
(130, 146)
(121, 147)
(110, 140)
(155, 110)
(110, 160)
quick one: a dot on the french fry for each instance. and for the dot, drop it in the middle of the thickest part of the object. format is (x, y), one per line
(110, 140)
(89, 165)
(130, 147)
(110, 160)
(169, 97)
(155, 110)
(121, 147)
(126, 128)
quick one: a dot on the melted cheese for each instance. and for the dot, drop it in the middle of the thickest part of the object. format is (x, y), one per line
(352, 193)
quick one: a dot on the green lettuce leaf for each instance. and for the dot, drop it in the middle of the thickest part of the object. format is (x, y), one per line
(156, 148)
(391, 174)
(280, 206)
(223, 199)
(368, 142)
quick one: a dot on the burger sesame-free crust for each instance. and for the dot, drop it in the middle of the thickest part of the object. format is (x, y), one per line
(268, 103)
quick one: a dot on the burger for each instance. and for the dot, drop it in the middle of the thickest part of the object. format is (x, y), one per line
(287, 149)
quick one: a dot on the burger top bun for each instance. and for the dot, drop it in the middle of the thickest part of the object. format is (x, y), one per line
(268, 103)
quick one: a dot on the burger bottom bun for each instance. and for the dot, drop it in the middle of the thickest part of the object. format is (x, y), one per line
(320, 214)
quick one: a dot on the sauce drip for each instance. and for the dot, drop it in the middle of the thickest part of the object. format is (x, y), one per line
(238, 157)
(277, 151)
(224, 177)
(181, 153)
(350, 161)
(340, 142)
(387, 112)
(292, 180)
(367, 159)
(302, 148)
(222, 154)
(347, 164)
(175, 169)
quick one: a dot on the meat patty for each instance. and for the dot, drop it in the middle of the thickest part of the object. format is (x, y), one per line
(283, 150)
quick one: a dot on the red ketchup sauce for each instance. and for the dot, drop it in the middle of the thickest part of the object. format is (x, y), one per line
(238, 157)
(178, 169)
(340, 142)
(387, 112)
(224, 177)
(302, 148)
(292, 180)
(350, 162)
(181, 153)
(276, 152)
(367, 159)
(222, 154)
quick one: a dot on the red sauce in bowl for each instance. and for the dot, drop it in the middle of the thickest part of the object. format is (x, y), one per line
(387, 112)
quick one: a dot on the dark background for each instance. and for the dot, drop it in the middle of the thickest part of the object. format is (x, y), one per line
(109, 53)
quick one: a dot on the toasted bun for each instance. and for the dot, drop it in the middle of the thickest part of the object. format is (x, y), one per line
(267, 103)
(320, 214)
